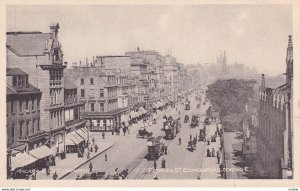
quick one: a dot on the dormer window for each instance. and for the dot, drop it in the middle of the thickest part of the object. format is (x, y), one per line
(14, 81)
(22, 81)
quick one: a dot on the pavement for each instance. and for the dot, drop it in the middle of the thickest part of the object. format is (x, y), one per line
(65, 167)
(210, 165)
(233, 149)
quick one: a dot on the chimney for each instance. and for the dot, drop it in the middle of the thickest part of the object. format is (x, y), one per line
(54, 29)
(263, 82)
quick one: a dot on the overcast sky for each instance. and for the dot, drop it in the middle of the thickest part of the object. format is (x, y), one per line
(253, 35)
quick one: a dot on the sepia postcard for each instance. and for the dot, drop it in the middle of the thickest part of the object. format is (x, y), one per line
(160, 93)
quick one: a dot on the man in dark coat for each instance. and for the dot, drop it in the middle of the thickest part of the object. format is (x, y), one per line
(91, 166)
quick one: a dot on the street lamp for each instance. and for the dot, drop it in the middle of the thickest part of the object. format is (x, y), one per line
(88, 123)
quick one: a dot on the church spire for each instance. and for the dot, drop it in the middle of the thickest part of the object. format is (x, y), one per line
(289, 61)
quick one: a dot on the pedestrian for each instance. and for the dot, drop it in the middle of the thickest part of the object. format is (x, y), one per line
(166, 150)
(154, 165)
(218, 156)
(163, 163)
(155, 177)
(112, 132)
(91, 166)
(93, 140)
(55, 176)
(103, 135)
(124, 130)
(33, 177)
(208, 153)
(91, 150)
(47, 168)
(213, 152)
(105, 157)
(208, 141)
(179, 141)
(96, 148)
(190, 137)
(53, 160)
(221, 166)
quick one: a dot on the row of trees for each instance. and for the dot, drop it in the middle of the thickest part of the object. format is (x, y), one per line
(230, 97)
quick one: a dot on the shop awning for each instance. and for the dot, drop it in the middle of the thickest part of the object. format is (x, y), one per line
(159, 104)
(73, 138)
(163, 102)
(155, 106)
(166, 100)
(141, 111)
(133, 114)
(21, 160)
(41, 152)
(125, 119)
(82, 133)
(171, 99)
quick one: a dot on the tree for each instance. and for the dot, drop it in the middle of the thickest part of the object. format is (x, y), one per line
(230, 97)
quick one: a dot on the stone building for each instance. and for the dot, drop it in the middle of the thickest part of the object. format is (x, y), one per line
(23, 125)
(76, 131)
(275, 132)
(98, 92)
(40, 56)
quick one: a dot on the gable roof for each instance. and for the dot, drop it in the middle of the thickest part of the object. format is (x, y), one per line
(14, 72)
(29, 44)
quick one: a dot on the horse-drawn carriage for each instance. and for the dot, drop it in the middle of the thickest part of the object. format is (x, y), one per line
(202, 134)
(186, 118)
(195, 121)
(191, 146)
(143, 133)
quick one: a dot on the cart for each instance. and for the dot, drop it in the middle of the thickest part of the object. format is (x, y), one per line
(143, 133)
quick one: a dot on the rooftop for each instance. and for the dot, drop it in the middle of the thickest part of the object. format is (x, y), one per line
(14, 72)
(28, 43)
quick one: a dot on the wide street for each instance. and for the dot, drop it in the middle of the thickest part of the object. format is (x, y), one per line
(129, 151)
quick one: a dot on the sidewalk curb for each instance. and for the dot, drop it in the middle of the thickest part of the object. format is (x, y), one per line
(81, 164)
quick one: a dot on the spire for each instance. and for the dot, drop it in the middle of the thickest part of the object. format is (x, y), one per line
(289, 52)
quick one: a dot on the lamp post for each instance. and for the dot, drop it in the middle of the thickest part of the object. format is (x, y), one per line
(88, 123)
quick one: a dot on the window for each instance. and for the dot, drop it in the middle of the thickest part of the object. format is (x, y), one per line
(38, 103)
(32, 104)
(81, 81)
(92, 81)
(92, 93)
(12, 106)
(33, 127)
(27, 128)
(101, 92)
(27, 105)
(92, 107)
(82, 93)
(13, 132)
(15, 80)
(101, 106)
(38, 125)
(21, 128)
(21, 106)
